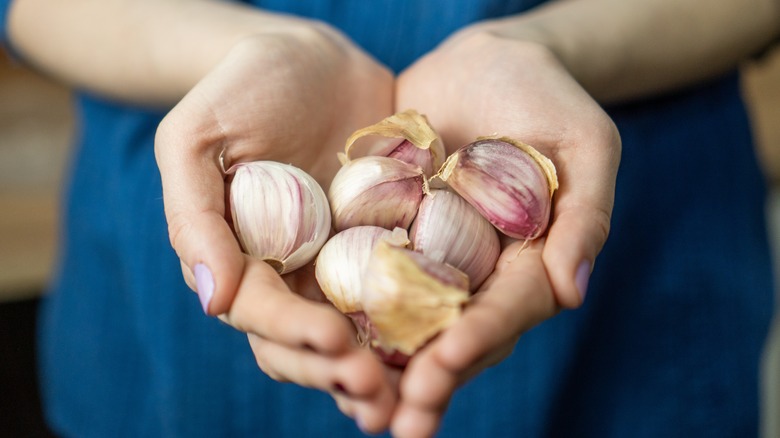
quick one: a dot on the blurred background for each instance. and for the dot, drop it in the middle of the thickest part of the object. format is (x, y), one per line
(36, 130)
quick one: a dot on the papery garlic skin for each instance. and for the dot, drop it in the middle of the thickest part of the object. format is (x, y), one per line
(280, 213)
(343, 259)
(448, 229)
(508, 182)
(374, 190)
(409, 153)
(407, 136)
(410, 298)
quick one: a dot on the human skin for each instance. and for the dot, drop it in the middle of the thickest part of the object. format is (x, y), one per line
(532, 76)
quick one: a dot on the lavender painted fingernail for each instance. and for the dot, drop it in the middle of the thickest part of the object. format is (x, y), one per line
(361, 425)
(204, 282)
(582, 277)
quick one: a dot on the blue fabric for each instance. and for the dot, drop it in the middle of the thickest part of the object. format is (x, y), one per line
(667, 343)
(5, 6)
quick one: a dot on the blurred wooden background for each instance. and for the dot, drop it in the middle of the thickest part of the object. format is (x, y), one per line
(36, 130)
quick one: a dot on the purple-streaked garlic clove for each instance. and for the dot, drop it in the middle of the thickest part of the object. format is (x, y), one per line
(374, 190)
(280, 214)
(448, 229)
(510, 183)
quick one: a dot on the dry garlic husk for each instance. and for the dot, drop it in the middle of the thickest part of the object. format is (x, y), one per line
(510, 183)
(448, 229)
(280, 214)
(343, 259)
(409, 298)
(377, 191)
(406, 136)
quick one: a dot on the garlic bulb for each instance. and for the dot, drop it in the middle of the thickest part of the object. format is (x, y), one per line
(343, 259)
(448, 229)
(406, 136)
(409, 298)
(377, 191)
(510, 183)
(280, 214)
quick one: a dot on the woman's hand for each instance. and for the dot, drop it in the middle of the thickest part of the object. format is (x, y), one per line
(292, 98)
(478, 84)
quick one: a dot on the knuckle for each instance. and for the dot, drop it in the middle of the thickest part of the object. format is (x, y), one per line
(163, 136)
(269, 370)
(602, 223)
(178, 230)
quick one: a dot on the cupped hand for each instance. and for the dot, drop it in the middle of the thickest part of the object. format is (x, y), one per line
(292, 98)
(479, 84)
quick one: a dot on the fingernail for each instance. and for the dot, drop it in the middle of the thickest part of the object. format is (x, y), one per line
(361, 425)
(582, 277)
(204, 283)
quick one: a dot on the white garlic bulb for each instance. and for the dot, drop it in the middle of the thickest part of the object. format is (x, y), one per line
(509, 182)
(448, 229)
(280, 213)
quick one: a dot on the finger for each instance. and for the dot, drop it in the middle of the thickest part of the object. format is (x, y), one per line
(344, 404)
(265, 306)
(410, 422)
(356, 380)
(419, 412)
(517, 297)
(194, 195)
(581, 220)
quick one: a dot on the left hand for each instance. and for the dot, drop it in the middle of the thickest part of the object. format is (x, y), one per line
(478, 84)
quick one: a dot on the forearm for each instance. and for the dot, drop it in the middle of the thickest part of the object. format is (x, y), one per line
(148, 51)
(620, 50)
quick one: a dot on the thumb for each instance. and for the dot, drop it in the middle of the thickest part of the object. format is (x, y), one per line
(573, 242)
(194, 198)
(580, 226)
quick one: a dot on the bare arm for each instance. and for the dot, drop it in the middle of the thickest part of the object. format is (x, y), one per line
(618, 49)
(148, 51)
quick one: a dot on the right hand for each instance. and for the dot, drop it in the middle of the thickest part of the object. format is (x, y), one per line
(291, 98)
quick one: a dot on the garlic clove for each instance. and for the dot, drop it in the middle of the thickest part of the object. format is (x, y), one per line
(379, 191)
(409, 298)
(280, 214)
(343, 259)
(510, 183)
(448, 229)
(407, 136)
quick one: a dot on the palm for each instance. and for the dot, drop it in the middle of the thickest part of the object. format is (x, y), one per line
(286, 100)
(289, 103)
